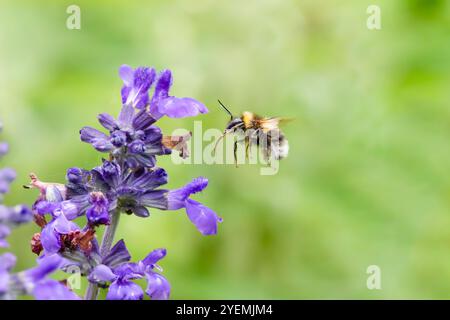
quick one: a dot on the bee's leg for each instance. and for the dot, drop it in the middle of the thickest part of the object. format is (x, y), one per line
(235, 153)
(253, 138)
(268, 150)
(217, 142)
(247, 146)
(267, 156)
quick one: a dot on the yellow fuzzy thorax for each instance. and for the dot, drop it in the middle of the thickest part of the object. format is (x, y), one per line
(247, 118)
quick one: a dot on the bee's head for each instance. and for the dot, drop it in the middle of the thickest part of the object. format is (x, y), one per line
(234, 123)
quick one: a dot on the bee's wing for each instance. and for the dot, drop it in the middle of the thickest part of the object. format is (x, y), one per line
(267, 124)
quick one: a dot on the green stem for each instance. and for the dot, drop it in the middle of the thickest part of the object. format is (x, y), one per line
(91, 292)
(108, 236)
(105, 247)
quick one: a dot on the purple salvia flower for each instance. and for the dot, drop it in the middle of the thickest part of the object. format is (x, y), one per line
(129, 182)
(201, 216)
(132, 137)
(51, 234)
(173, 107)
(130, 191)
(120, 277)
(60, 234)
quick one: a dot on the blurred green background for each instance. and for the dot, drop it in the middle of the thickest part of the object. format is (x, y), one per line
(367, 181)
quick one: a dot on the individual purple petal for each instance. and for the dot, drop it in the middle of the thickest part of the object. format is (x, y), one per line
(143, 79)
(63, 226)
(202, 217)
(178, 197)
(89, 134)
(162, 87)
(161, 92)
(125, 93)
(97, 139)
(124, 290)
(50, 240)
(44, 207)
(53, 290)
(70, 209)
(174, 107)
(154, 256)
(158, 288)
(101, 273)
(126, 73)
(107, 121)
(118, 255)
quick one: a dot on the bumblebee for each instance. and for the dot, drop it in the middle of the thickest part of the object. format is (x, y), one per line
(262, 131)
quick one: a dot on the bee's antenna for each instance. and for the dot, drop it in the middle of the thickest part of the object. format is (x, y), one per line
(226, 109)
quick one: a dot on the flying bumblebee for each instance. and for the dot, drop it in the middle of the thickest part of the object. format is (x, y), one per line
(262, 131)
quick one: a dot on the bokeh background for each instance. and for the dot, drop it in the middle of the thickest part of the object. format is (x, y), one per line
(367, 181)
